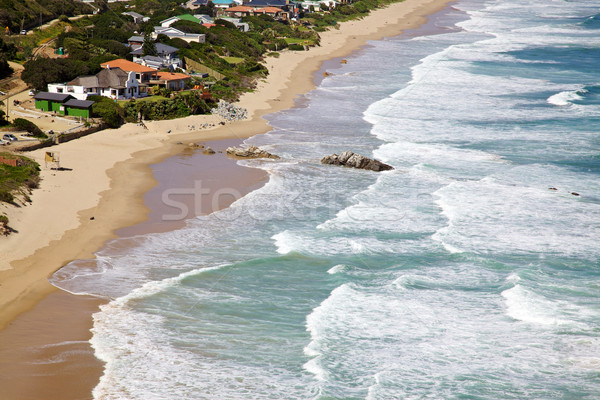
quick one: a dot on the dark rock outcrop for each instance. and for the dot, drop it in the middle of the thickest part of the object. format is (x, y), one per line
(250, 152)
(350, 159)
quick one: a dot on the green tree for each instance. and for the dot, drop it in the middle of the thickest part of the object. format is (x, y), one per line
(5, 69)
(40, 72)
(148, 47)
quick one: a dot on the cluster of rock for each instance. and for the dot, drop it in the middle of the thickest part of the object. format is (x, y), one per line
(250, 152)
(350, 159)
(229, 112)
(205, 149)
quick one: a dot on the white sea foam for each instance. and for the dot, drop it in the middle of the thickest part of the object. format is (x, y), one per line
(525, 305)
(566, 97)
(336, 269)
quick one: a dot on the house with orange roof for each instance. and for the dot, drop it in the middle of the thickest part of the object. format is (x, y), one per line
(170, 80)
(276, 13)
(143, 74)
(239, 11)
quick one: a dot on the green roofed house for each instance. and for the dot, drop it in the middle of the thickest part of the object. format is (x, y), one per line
(183, 17)
(77, 108)
(50, 101)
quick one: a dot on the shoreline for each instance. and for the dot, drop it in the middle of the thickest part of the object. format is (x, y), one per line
(116, 203)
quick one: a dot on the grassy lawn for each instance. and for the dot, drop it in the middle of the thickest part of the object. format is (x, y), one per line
(233, 60)
(307, 42)
(146, 99)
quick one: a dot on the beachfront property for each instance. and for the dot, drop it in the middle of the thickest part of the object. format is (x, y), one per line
(310, 6)
(63, 104)
(110, 82)
(245, 11)
(170, 80)
(165, 57)
(142, 74)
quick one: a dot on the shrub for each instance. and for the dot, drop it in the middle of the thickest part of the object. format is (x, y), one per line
(25, 125)
(6, 196)
(297, 47)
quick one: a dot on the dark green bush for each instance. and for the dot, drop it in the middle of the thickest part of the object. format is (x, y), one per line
(25, 125)
(6, 196)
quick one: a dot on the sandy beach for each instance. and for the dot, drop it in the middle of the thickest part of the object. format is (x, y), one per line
(100, 191)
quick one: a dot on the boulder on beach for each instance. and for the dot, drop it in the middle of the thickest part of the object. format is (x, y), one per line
(208, 150)
(350, 159)
(250, 152)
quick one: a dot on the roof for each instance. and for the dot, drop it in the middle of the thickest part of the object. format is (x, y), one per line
(113, 77)
(136, 39)
(171, 76)
(133, 14)
(90, 81)
(269, 10)
(52, 96)
(189, 17)
(203, 17)
(127, 66)
(240, 9)
(152, 59)
(222, 2)
(160, 49)
(78, 103)
(267, 3)
(107, 78)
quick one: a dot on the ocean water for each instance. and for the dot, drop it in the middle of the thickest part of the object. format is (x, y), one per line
(471, 271)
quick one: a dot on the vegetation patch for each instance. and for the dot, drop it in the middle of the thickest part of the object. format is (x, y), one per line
(25, 125)
(18, 176)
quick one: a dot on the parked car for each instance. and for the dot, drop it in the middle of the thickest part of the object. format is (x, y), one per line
(9, 137)
(32, 92)
(24, 32)
(3, 143)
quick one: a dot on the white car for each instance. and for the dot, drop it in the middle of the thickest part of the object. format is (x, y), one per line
(9, 137)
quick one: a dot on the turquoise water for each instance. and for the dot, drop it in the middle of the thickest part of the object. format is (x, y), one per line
(471, 271)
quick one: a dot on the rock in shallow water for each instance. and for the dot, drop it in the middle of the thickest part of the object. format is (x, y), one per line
(350, 159)
(250, 152)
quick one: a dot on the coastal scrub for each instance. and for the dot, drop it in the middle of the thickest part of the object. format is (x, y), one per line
(18, 175)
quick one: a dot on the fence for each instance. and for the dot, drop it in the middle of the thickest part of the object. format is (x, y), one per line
(61, 138)
(201, 68)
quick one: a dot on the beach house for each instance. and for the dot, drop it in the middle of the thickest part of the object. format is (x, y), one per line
(110, 82)
(142, 74)
(164, 57)
(170, 80)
